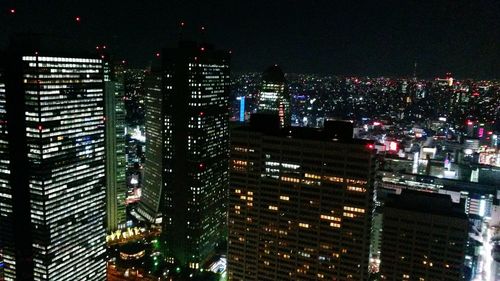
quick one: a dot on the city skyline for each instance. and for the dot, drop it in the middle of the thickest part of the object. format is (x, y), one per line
(249, 140)
(363, 38)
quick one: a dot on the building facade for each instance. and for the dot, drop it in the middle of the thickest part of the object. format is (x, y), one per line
(300, 204)
(424, 237)
(186, 179)
(53, 167)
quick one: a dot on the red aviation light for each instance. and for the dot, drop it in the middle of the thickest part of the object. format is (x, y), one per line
(78, 19)
(470, 123)
(370, 146)
(202, 49)
(201, 166)
(40, 128)
(202, 113)
(157, 55)
(12, 11)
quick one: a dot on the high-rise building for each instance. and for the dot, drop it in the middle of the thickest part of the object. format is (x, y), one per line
(300, 203)
(273, 96)
(424, 237)
(52, 191)
(116, 187)
(187, 150)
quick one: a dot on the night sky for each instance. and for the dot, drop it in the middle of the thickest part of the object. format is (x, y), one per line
(304, 36)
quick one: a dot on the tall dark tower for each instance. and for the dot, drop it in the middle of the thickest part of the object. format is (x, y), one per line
(274, 97)
(52, 171)
(186, 176)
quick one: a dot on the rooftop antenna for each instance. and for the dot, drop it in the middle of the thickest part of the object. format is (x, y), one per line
(182, 24)
(415, 71)
(203, 34)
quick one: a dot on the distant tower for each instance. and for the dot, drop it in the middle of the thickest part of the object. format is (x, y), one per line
(274, 97)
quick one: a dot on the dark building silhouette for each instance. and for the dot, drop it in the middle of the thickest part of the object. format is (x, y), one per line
(187, 133)
(424, 237)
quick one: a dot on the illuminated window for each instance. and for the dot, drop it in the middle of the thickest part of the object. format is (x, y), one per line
(330, 218)
(312, 176)
(356, 189)
(303, 225)
(353, 209)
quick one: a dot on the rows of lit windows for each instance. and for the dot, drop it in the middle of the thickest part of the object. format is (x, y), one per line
(60, 59)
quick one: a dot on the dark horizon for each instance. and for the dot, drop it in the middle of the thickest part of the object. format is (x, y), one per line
(365, 38)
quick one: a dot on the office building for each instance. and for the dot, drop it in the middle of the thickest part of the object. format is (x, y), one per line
(424, 237)
(52, 192)
(273, 96)
(116, 187)
(187, 150)
(300, 203)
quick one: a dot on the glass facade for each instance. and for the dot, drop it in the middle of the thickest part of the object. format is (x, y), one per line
(57, 151)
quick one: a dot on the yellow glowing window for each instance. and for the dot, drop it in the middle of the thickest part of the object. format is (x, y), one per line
(330, 218)
(354, 209)
(336, 225)
(240, 149)
(285, 198)
(274, 208)
(290, 179)
(240, 162)
(312, 176)
(333, 179)
(360, 182)
(304, 225)
(349, 215)
(356, 189)
(237, 191)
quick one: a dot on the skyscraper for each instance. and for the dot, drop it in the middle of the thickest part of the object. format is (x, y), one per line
(273, 96)
(116, 187)
(424, 237)
(53, 166)
(187, 150)
(300, 203)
